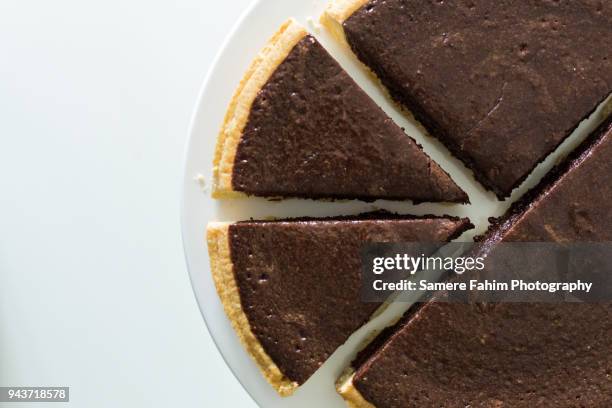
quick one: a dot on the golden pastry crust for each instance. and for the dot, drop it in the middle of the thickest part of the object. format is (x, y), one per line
(337, 12)
(223, 275)
(351, 395)
(237, 115)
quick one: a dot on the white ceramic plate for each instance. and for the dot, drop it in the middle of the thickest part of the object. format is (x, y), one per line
(258, 24)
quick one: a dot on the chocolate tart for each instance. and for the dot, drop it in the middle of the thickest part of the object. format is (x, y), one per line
(507, 354)
(500, 83)
(299, 126)
(291, 288)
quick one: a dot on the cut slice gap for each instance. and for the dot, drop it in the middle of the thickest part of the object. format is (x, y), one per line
(337, 12)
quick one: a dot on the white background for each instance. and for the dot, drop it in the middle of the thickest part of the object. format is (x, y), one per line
(95, 103)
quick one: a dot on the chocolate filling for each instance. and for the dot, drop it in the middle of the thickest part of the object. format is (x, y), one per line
(500, 83)
(312, 132)
(300, 280)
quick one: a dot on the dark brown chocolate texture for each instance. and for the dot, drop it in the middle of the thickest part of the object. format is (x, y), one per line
(312, 132)
(500, 83)
(300, 280)
(511, 354)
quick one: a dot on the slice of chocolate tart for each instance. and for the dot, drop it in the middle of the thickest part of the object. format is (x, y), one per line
(507, 354)
(500, 83)
(299, 126)
(291, 288)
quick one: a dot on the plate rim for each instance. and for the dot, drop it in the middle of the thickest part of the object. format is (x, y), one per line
(185, 176)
